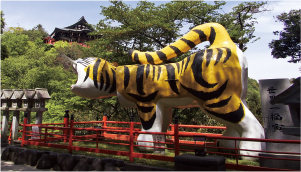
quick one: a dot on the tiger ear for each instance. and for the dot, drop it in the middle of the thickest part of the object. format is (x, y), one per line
(115, 64)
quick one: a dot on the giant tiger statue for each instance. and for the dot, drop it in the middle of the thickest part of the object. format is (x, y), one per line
(214, 79)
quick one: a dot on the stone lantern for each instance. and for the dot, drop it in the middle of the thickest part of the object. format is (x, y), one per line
(7, 102)
(2, 98)
(40, 97)
(17, 98)
(28, 98)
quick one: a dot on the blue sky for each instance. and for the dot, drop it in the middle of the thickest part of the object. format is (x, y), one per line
(51, 14)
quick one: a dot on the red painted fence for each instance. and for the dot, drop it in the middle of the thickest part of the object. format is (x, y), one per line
(50, 134)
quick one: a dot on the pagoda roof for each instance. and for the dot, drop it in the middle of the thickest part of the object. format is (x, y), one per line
(74, 27)
(81, 21)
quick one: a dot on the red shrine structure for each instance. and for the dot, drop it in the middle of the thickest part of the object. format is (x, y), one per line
(77, 32)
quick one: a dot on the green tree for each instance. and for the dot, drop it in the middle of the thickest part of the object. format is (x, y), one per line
(15, 41)
(37, 67)
(253, 99)
(2, 22)
(146, 27)
(4, 51)
(288, 44)
(240, 22)
(38, 32)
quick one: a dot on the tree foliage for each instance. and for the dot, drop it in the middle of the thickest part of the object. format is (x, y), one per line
(33, 64)
(288, 44)
(2, 22)
(253, 99)
(4, 51)
(38, 32)
(240, 22)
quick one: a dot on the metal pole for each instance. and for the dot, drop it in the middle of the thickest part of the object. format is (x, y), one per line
(104, 118)
(66, 123)
(24, 129)
(71, 133)
(236, 153)
(131, 139)
(176, 136)
(28, 122)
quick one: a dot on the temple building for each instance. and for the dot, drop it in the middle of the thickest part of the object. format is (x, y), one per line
(77, 32)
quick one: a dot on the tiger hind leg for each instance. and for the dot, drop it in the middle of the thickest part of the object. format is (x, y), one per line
(160, 123)
(248, 127)
(251, 128)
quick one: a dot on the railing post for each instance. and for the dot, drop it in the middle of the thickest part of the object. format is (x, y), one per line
(172, 130)
(131, 139)
(66, 123)
(236, 153)
(10, 134)
(24, 129)
(71, 133)
(45, 137)
(176, 136)
(97, 139)
(104, 118)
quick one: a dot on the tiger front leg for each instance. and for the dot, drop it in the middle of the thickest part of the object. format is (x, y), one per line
(155, 120)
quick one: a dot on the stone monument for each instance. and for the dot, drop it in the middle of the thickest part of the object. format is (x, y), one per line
(277, 117)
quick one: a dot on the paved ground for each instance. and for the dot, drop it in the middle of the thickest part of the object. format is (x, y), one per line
(10, 166)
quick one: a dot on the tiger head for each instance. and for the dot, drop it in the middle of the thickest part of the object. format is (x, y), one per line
(95, 78)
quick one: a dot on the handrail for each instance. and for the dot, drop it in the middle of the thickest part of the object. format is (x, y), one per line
(45, 136)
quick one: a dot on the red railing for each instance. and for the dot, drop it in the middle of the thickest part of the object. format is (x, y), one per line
(129, 137)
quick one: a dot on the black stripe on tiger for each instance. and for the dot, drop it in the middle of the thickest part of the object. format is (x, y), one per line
(176, 50)
(171, 78)
(234, 116)
(146, 99)
(182, 66)
(107, 81)
(219, 55)
(126, 77)
(220, 103)
(207, 95)
(147, 70)
(145, 109)
(202, 36)
(113, 88)
(95, 68)
(148, 124)
(87, 74)
(161, 55)
(187, 61)
(228, 55)
(139, 79)
(212, 36)
(189, 43)
(149, 58)
(208, 56)
(159, 73)
(154, 70)
(197, 70)
(101, 81)
(136, 58)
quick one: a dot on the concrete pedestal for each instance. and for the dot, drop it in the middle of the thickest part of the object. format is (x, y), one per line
(276, 117)
(282, 164)
(4, 132)
(15, 127)
(190, 162)
(28, 122)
